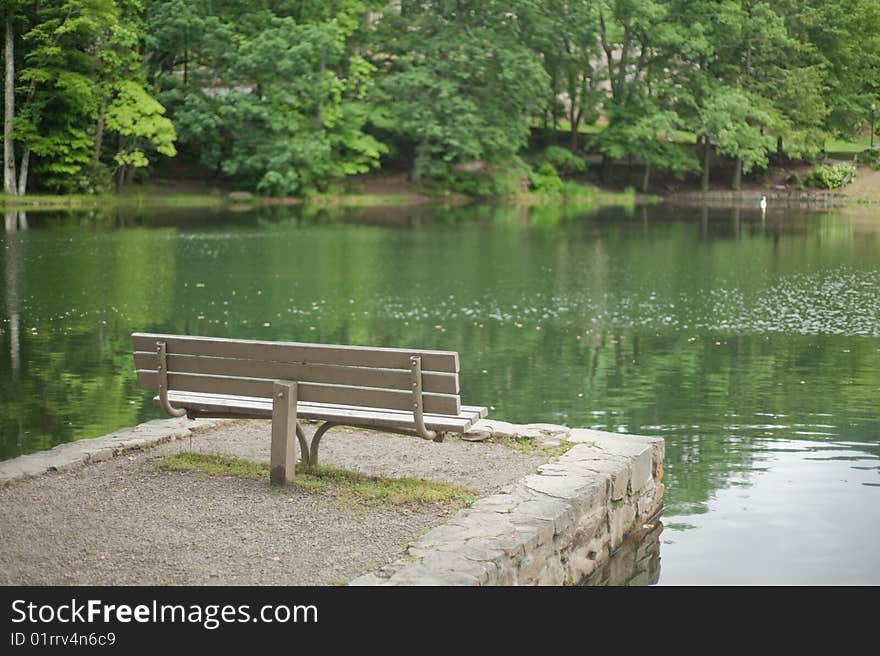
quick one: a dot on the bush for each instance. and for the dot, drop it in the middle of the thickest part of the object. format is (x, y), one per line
(870, 157)
(795, 179)
(564, 160)
(830, 177)
(575, 190)
(506, 179)
(545, 180)
(510, 179)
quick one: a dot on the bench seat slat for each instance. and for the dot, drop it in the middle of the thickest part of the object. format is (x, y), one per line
(304, 353)
(465, 410)
(315, 392)
(258, 408)
(398, 379)
(231, 401)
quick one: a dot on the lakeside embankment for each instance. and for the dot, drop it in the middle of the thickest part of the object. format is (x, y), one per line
(864, 191)
(177, 502)
(789, 198)
(240, 200)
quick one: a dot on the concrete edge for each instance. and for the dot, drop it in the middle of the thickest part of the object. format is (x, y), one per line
(554, 527)
(71, 455)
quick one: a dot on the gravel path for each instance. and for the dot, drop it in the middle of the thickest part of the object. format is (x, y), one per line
(124, 522)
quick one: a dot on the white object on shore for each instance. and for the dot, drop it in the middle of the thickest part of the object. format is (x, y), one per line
(763, 203)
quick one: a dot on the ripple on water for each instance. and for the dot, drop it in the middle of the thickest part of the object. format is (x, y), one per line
(830, 302)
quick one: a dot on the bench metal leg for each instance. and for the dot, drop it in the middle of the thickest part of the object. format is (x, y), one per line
(282, 461)
(303, 445)
(316, 441)
(327, 425)
(163, 382)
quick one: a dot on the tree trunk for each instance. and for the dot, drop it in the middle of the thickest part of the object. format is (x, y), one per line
(574, 119)
(707, 153)
(99, 133)
(23, 172)
(9, 114)
(607, 163)
(319, 116)
(737, 174)
(420, 152)
(779, 150)
(647, 179)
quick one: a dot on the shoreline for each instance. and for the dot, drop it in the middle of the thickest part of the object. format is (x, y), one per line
(552, 509)
(817, 198)
(240, 200)
(592, 197)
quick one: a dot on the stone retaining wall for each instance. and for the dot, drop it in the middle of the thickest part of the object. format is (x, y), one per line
(553, 527)
(812, 198)
(81, 452)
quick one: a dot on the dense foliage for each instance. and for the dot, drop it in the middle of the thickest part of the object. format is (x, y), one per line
(830, 177)
(290, 97)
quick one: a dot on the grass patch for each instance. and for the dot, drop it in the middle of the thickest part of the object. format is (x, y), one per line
(365, 200)
(564, 125)
(214, 464)
(344, 484)
(152, 198)
(581, 195)
(529, 445)
(844, 147)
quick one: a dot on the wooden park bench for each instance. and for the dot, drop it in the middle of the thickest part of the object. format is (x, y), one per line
(398, 390)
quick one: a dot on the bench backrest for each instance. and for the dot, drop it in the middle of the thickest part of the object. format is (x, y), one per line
(324, 373)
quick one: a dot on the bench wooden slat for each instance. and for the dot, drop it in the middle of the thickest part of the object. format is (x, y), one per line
(470, 411)
(444, 404)
(432, 382)
(481, 411)
(303, 353)
(258, 408)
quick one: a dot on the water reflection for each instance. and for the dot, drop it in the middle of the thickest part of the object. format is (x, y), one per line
(13, 222)
(807, 514)
(635, 563)
(728, 335)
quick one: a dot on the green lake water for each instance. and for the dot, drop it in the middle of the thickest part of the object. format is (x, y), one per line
(752, 345)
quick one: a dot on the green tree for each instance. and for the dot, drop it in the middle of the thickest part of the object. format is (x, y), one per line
(733, 97)
(731, 120)
(138, 119)
(459, 83)
(647, 135)
(842, 40)
(565, 34)
(78, 58)
(275, 104)
(647, 52)
(10, 13)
